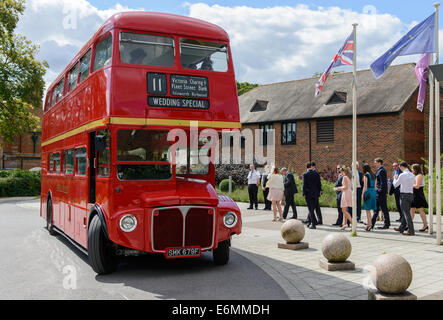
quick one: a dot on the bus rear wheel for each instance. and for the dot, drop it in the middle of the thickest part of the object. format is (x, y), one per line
(102, 257)
(221, 254)
(49, 224)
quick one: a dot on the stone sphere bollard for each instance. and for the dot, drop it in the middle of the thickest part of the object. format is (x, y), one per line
(392, 274)
(293, 231)
(336, 248)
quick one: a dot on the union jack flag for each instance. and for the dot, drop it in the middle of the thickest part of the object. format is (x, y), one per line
(345, 56)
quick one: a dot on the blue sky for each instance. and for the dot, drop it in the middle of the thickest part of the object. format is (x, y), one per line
(407, 10)
(271, 41)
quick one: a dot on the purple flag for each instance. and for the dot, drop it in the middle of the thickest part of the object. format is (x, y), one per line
(421, 72)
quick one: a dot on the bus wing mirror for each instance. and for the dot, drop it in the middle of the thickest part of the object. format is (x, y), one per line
(100, 143)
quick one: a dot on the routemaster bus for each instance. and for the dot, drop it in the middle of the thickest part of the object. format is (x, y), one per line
(110, 182)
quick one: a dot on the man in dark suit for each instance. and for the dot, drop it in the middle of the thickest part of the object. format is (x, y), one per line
(382, 193)
(311, 191)
(264, 181)
(290, 191)
(317, 206)
(396, 191)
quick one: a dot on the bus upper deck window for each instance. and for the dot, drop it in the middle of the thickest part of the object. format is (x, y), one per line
(203, 55)
(103, 53)
(144, 49)
(73, 77)
(85, 62)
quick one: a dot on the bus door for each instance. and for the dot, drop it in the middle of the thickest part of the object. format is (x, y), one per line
(92, 167)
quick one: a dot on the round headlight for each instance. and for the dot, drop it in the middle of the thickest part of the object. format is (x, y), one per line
(230, 219)
(128, 223)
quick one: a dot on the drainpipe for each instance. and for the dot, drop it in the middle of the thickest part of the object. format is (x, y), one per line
(310, 142)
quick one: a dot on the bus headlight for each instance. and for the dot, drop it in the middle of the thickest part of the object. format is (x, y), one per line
(128, 223)
(230, 219)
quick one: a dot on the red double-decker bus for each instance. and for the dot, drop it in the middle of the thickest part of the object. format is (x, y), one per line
(110, 182)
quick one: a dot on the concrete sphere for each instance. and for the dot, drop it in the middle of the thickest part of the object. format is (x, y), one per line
(392, 274)
(336, 248)
(293, 231)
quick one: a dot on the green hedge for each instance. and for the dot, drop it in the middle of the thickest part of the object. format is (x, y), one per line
(224, 185)
(17, 183)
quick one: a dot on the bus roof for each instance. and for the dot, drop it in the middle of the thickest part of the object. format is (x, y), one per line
(168, 23)
(155, 22)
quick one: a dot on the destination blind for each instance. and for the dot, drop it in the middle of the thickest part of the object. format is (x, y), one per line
(178, 103)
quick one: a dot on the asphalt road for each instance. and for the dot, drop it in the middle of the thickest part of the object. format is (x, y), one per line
(35, 265)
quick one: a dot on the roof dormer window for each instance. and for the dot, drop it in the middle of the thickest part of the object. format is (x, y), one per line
(260, 106)
(337, 98)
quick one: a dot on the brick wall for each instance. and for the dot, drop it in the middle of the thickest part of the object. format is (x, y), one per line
(389, 136)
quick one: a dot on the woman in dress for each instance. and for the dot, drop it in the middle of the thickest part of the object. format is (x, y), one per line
(419, 201)
(346, 196)
(369, 195)
(276, 188)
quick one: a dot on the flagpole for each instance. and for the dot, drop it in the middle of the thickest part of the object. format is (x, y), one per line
(355, 175)
(431, 151)
(437, 134)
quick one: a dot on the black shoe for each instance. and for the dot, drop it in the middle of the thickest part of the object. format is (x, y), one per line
(250, 208)
(320, 223)
(336, 224)
(383, 228)
(306, 222)
(256, 208)
(312, 226)
(359, 221)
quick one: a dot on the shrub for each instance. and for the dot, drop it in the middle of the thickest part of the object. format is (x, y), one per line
(224, 185)
(239, 173)
(18, 182)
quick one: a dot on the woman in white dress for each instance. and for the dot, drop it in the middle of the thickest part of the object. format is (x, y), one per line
(276, 188)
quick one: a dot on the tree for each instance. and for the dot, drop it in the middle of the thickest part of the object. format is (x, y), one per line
(21, 75)
(243, 87)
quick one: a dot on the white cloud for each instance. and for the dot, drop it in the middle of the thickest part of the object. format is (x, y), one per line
(285, 43)
(61, 28)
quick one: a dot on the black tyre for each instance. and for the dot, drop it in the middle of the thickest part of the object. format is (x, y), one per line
(221, 254)
(49, 222)
(101, 254)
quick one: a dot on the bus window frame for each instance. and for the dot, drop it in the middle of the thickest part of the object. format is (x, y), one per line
(94, 47)
(118, 58)
(75, 161)
(73, 166)
(115, 162)
(68, 84)
(228, 54)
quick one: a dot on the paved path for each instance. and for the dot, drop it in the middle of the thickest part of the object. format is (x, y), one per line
(299, 274)
(35, 265)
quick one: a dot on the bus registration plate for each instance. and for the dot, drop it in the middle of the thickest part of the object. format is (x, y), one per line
(172, 253)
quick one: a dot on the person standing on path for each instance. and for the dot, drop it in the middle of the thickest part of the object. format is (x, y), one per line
(338, 184)
(317, 206)
(406, 181)
(346, 197)
(290, 191)
(396, 191)
(369, 195)
(253, 183)
(264, 180)
(311, 192)
(382, 193)
(419, 201)
(276, 187)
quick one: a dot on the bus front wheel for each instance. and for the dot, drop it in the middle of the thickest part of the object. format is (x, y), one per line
(221, 254)
(49, 223)
(101, 254)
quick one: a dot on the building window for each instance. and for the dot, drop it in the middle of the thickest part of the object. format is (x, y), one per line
(289, 133)
(337, 98)
(80, 160)
(260, 106)
(267, 134)
(325, 131)
(103, 53)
